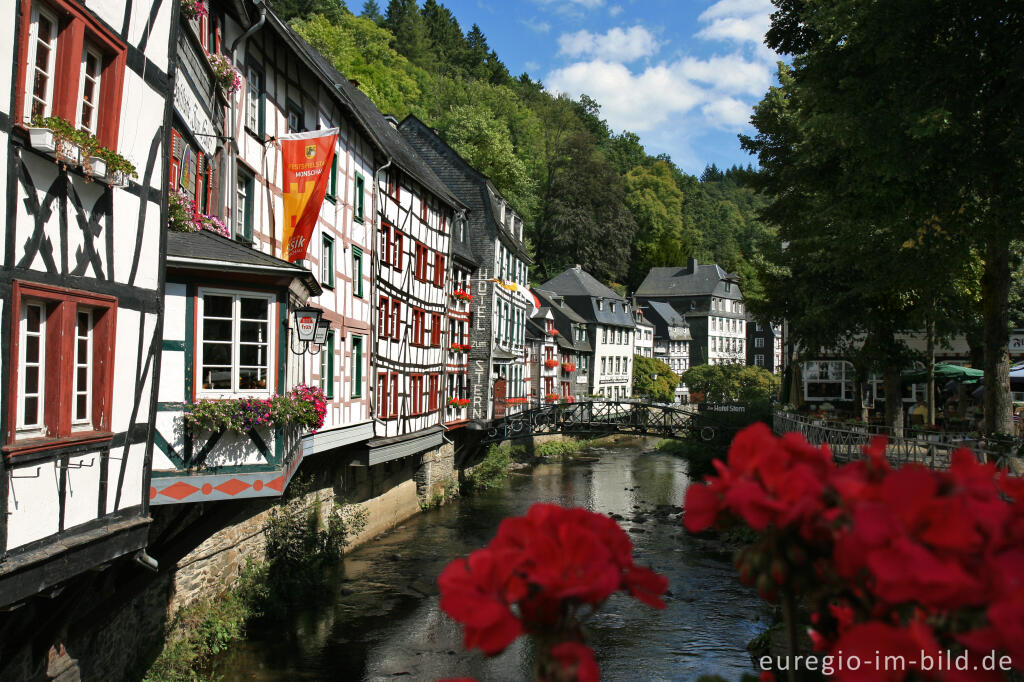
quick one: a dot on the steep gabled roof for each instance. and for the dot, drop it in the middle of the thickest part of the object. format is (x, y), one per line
(692, 280)
(548, 298)
(377, 128)
(471, 186)
(576, 281)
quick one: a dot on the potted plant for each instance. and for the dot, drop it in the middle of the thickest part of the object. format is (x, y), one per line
(461, 295)
(569, 366)
(193, 9)
(225, 74)
(551, 364)
(552, 397)
(55, 136)
(117, 168)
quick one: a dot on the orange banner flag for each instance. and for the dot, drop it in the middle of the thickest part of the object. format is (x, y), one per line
(307, 161)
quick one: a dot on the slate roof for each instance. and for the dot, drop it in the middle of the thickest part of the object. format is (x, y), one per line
(667, 322)
(549, 297)
(206, 250)
(376, 127)
(582, 291)
(692, 280)
(464, 181)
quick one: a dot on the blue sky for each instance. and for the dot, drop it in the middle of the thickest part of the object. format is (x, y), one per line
(682, 74)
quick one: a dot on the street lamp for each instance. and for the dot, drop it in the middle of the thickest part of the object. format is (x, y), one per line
(310, 327)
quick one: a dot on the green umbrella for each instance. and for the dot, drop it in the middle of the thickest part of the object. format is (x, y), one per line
(943, 372)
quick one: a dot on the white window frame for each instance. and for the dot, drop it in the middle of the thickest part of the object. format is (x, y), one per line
(30, 71)
(88, 49)
(86, 364)
(39, 427)
(236, 295)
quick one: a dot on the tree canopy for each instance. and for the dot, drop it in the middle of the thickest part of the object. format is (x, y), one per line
(587, 194)
(654, 379)
(730, 383)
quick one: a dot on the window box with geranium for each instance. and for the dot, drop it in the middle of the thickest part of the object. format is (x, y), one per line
(553, 332)
(303, 406)
(458, 402)
(462, 295)
(552, 397)
(225, 74)
(183, 216)
(460, 347)
(569, 366)
(69, 146)
(516, 401)
(193, 9)
(551, 364)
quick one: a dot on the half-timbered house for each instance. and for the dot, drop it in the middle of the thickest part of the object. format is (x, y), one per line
(232, 293)
(80, 283)
(501, 302)
(460, 288)
(573, 341)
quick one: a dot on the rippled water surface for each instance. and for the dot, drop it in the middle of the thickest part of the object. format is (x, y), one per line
(380, 620)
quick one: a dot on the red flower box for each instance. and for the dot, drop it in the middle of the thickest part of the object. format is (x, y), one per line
(460, 347)
(516, 401)
(462, 295)
(458, 402)
(569, 366)
(551, 364)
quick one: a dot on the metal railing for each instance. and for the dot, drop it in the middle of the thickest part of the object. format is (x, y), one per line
(847, 443)
(594, 417)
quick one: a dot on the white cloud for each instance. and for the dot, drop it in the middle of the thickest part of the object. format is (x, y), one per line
(531, 66)
(616, 45)
(615, 10)
(737, 21)
(729, 8)
(727, 112)
(733, 74)
(635, 102)
(537, 26)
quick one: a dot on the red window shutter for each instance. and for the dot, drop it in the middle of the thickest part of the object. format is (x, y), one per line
(382, 318)
(435, 329)
(382, 395)
(434, 391)
(439, 270)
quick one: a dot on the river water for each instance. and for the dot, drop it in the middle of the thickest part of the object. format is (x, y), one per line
(381, 621)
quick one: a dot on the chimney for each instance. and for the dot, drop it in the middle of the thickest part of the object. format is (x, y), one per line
(578, 267)
(691, 266)
(354, 83)
(392, 120)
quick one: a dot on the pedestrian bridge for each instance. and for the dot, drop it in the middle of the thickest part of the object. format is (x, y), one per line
(601, 418)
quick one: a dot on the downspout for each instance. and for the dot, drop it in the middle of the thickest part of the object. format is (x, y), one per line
(374, 303)
(232, 187)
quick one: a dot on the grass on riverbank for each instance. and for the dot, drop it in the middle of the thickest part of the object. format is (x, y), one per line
(302, 545)
(500, 459)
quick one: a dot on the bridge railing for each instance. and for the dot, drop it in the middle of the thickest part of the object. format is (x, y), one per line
(847, 443)
(591, 416)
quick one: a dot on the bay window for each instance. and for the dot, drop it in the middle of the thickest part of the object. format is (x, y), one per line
(61, 377)
(235, 337)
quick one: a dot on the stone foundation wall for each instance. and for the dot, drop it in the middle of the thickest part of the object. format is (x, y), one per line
(112, 622)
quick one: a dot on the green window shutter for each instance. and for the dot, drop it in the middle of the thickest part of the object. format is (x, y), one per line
(357, 366)
(332, 187)
(357, 272)
(330, 364)
(357, 200)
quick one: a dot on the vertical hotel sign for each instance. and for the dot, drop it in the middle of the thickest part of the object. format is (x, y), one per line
(307, 161)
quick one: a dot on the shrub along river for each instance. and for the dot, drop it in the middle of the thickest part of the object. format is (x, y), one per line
(380, 619)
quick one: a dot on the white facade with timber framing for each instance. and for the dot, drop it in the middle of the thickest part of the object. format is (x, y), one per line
(229, 297)
(501, 303)
(416, 216)
(80, 285)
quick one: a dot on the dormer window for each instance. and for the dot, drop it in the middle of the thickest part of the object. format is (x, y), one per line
(600, 304)
(728, 287)
(613, 307)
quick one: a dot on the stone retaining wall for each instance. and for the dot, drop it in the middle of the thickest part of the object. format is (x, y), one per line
(111, 622)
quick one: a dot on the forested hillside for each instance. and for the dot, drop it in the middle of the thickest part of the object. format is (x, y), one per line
(588, 195)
